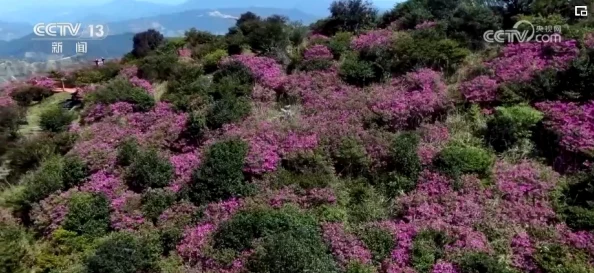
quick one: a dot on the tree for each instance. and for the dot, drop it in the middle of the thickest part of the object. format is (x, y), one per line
(145, 42)
(352, 15)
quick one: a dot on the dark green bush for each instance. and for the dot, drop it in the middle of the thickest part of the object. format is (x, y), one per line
(234, 69)
(510, 124)
(558, 259)
(196, 125)
(357, 72)
(149, 169)
(239, 232)
(27, 94)
(404, 156)
(227, 110)
(56, 119)
(44, 181)
(307, 180)
(183, 74)
(411, 53)
(146, 42)
(157, 67)
(475, 262)
(458, 159)
(340, 43)
(121, 90)
(123, 253)
(13, 248)
(74, 171)
(30, 152)
(356, 267)
(576, 201)
(351, 158)
(230, 86)
(127, 152)
(155, 201)
(88, 214)
(379, 241)
(211, 60)
(428, 247)
(11, 116)
(292, 252)
(220, 176)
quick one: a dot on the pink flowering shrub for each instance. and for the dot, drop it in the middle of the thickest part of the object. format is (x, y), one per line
(266, 70)
(50, 213)
(434, 138)
(42, 81)
(426, 25)
(518, 63)
(129, 71)
(184, 165)
(142, 83)
(589, 40)
(416, 96)
(317, 52)
(572, 122)
(371, 39)
(318, 39)
(346, 247)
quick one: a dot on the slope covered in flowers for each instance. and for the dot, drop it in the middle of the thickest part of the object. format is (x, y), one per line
(359, 152)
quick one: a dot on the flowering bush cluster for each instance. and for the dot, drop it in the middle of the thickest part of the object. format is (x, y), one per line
(572, 122)
(426, 25)
(317, 52)
(371, 39)
(266, 70)
(518, 63)
(416, 96)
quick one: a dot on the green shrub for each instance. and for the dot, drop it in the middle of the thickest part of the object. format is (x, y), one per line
(122, 253)
(556, 258)
(121, 90)
(403, 155)
(11, 117)
(482, 263)
(44, 181)
(157, 67)
(306, 180)
(30, 152)
(351, 158)
(229, 86)
(576, 201)
(356, 267)
(149, 169)
(239, 232)
(510, 124)
(155, 201)
(196, 125)
(234, 69)
(56, 119)
(340, 43)
(183, 74)
(211, 60)
(292, 252)
(127, 152)
(14, 241)
(74, 171)
(428, 247)
(88, 214)
(25, 95)
(379, 241)
(227, 110)
(457, 159)
(357, 72)
(220, 176)
(365, 204)
(146, 42)
(415, 52)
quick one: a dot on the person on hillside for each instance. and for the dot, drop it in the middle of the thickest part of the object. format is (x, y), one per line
(96, 62)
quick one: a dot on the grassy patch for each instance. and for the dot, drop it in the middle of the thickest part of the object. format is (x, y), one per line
(35, 111)
(160, 89)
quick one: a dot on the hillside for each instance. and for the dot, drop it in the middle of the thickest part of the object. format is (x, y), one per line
(398, 143)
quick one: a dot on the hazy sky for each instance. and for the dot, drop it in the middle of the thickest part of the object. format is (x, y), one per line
(16, 4)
